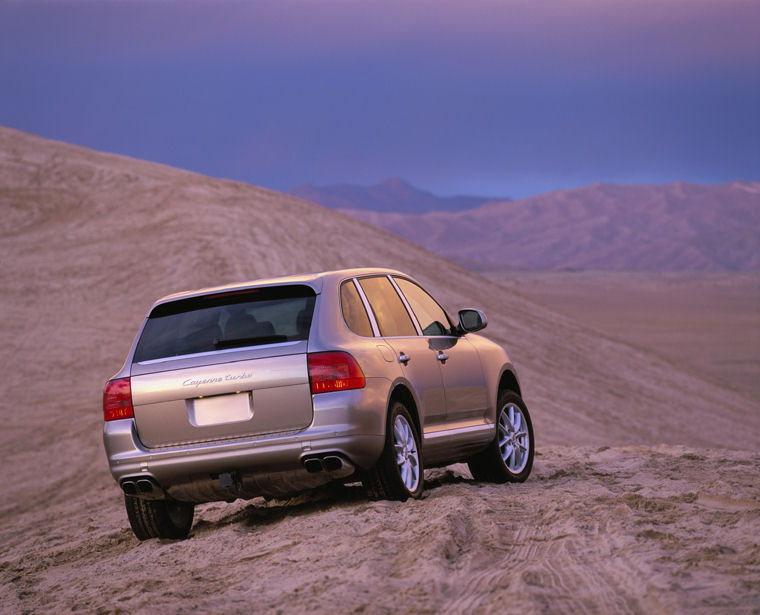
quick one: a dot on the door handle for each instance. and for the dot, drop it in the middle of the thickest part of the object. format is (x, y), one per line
(404, 358)
(442, 356)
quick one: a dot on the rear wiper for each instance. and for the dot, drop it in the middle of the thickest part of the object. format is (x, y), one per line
(221, 344)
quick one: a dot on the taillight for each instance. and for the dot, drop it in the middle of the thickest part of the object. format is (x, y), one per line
(334, 371)
(117, 400)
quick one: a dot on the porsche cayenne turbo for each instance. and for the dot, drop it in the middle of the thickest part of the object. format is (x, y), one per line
(280, 385)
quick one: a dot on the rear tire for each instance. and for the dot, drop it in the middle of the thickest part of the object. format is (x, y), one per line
(159, 518)
(509, 457)
(398, 474)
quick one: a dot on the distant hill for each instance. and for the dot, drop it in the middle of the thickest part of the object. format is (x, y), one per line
(673, 227)
(389, 195)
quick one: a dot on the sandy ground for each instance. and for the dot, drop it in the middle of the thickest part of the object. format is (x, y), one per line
(645, 496)
(709, 321)
(595, 530)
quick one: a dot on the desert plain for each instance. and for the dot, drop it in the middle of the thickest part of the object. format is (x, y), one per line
(645, 495)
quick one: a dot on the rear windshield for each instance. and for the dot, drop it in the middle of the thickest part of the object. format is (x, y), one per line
(253, 317)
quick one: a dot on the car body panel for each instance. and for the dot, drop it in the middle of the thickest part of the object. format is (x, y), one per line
(423, 374)
(167, 404)
(463, 378)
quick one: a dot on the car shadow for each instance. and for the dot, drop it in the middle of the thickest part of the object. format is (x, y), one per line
(263, 512)
(267, 511)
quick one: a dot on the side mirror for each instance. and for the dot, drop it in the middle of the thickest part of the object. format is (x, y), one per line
(471, 320)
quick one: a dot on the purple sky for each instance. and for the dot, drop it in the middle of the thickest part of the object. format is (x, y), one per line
(493, 97)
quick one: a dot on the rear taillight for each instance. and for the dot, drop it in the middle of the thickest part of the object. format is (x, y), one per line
(334, 371)
(117, 400)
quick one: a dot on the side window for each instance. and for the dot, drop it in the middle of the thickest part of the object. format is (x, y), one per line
(430, 315)
(390, 313)
(353, 310)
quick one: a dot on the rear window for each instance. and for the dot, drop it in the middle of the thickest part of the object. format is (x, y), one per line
(236, 319)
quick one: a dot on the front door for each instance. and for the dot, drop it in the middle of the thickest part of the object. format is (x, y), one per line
(463, 379)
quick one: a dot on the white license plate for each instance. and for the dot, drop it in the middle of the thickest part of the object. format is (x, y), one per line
(220, 409)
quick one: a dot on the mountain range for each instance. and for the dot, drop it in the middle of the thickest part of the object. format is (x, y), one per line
(673, 227)
(390, 195)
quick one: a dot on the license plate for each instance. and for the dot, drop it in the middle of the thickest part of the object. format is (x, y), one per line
(220, 409)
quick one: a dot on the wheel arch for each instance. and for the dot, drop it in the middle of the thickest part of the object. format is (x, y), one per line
(508, 382)
(403, 394)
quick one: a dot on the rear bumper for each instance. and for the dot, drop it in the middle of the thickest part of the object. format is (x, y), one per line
(349, 423)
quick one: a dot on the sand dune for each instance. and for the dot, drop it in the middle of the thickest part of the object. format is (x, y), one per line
(674, 227)
(89, 240)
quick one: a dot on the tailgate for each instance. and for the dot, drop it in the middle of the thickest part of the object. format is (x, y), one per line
(221, 401)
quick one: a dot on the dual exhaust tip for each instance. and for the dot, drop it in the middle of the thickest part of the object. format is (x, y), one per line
(142, 487)
(324, 463)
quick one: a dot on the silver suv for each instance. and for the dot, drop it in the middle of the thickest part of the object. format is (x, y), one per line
(276, 386)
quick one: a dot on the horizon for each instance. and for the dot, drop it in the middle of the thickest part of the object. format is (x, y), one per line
(528, 196)
(501, 100)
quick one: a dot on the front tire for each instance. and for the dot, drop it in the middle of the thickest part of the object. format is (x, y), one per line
(509, 457)
(159, 518)
(398, 474)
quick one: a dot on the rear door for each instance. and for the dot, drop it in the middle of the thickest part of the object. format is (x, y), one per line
(224, 366)
(418, 362)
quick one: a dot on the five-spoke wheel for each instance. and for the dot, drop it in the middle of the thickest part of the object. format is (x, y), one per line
(509, 457)
(514, 441)
(407, 454)
(398, 474)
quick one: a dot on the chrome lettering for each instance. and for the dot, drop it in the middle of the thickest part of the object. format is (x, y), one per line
(196, 382)
(243, 376)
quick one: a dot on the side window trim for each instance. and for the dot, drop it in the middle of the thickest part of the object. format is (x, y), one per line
(367, 307)
(409, 309)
